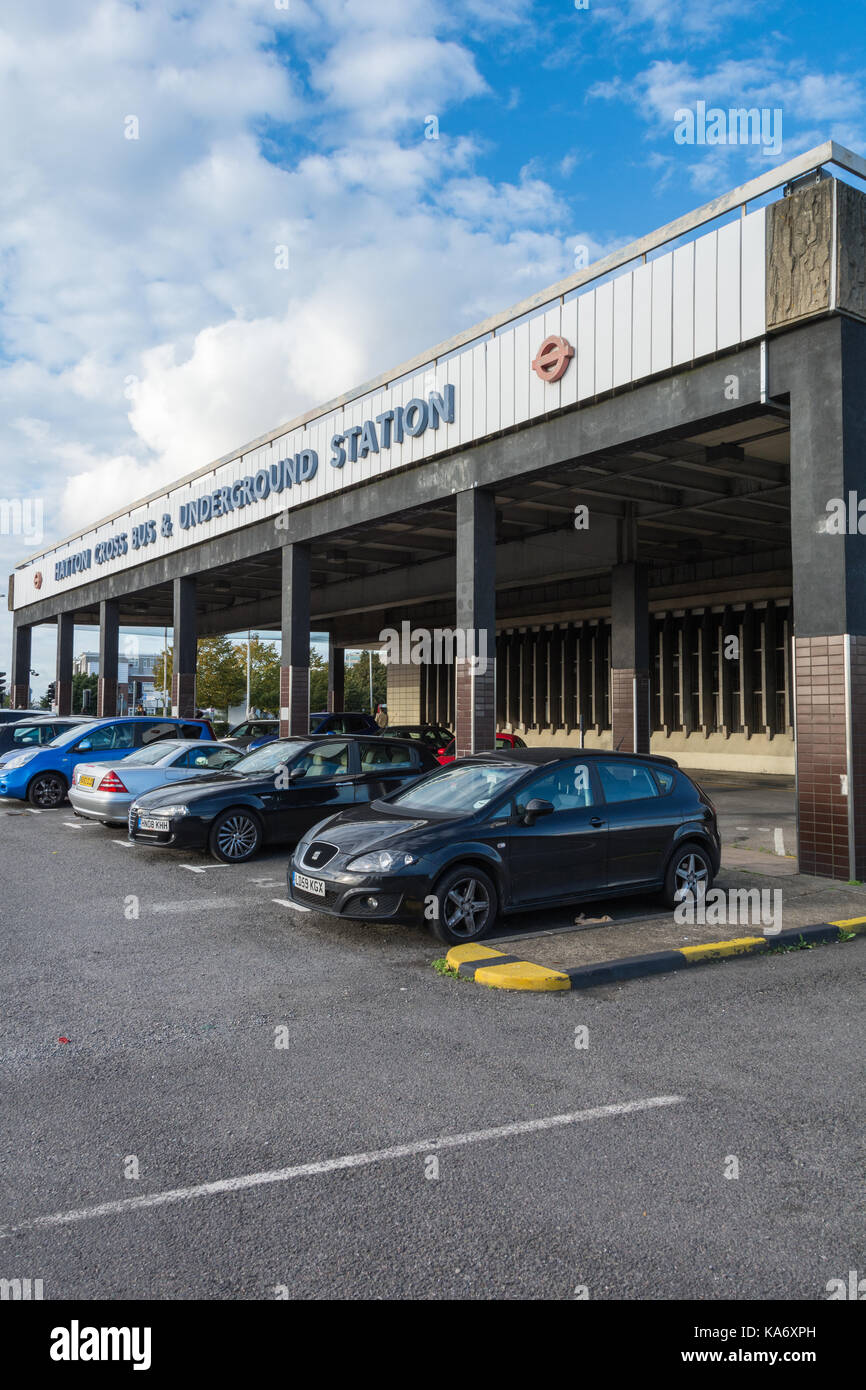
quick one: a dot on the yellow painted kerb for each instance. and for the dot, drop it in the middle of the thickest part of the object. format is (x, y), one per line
(521, 974)
(458, 954)
(716, 950)
(855, 924)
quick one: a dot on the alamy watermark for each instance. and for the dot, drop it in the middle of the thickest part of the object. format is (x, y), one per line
(738, 126)
(745, 907)
(439, 646)
(22, 517)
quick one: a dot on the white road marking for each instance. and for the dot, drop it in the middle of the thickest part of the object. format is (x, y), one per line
(193, 869)
(127, 844)
(203, 868)
(779, 840)
(265, 882)
(294, 907)
(72, 826)
(32, 812)
(741, 827)
(195, 904)
(331, 1165)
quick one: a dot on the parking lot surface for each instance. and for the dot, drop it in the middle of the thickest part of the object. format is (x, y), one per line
(311, 1109)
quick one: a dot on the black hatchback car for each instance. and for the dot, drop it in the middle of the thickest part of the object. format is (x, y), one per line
(509, 831)
(274, 794)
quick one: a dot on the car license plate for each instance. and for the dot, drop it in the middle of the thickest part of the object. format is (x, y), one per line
(85, 781)
(316, 886)
(153, 823)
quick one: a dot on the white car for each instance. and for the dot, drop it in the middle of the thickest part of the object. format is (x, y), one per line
(104, 791)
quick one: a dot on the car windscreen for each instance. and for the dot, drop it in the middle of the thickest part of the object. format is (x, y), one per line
(154, 752)
(465, 787)
(268, 758)
(70, 735)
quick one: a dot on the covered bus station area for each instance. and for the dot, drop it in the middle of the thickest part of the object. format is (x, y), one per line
(636, 492)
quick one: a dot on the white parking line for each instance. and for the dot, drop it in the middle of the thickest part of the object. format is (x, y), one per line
(127, 844)
(72, 826)
(195, 904)
(203, 868)
(779, 840)
(293, 907)
(32, 812)
(331, 1165)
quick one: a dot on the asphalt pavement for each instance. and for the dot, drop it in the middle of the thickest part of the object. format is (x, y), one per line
(312, 1111)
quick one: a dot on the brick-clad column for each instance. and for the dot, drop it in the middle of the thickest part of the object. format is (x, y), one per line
(823, 370)
(65, 640)
(185, 655)
(629, 660)
(475, 671)
(109, 633)
(336, 678)
(404, 694)
(822, 763)
(19, 684)
(295, 668)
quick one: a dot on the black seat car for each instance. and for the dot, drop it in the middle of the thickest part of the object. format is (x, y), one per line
(508, 831)
(274, 794)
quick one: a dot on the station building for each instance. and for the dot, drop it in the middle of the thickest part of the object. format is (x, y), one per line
(637, 493)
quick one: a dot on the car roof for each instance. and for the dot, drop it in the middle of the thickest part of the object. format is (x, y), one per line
(539, 757)
(46, 719)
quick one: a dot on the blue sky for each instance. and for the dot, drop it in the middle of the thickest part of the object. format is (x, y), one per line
(146, 328)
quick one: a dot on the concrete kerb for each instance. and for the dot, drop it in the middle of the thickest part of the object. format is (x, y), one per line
(497, 970)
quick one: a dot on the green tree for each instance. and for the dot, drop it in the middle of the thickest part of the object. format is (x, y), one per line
(81, 683)
(162, 679)
(264, 674)
(221, 678)
(358, 683)
(318, 682)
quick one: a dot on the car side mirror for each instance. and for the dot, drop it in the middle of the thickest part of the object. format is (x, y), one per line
(84, 746)
(297, 773)
(536, 807)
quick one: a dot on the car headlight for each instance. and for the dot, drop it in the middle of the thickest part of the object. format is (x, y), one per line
(380, 862)
(169, 811)
(20, 759)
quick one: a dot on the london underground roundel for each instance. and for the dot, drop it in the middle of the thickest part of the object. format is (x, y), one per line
(552, 358)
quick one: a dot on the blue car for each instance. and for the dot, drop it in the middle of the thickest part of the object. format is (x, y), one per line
(42, 775)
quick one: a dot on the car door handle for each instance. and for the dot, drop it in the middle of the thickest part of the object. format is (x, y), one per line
(596, 820)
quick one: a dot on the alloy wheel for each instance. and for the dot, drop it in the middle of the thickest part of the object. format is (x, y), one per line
(48, 791)
(466, 907)
(690, 878)
(237, 836)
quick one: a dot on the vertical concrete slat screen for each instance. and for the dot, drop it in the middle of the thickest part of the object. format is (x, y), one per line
(475, 665)
(336, 677)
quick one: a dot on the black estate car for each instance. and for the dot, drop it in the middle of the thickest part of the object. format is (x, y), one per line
(507, 831)
(275, 793)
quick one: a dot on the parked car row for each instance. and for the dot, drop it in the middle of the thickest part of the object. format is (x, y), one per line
(381, 828)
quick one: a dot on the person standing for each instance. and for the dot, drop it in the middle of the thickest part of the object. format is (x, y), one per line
(382, 716)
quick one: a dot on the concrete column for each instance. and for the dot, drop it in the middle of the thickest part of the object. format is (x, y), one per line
(629, 659)
(65, 640)
(109, 634)
(824, 370)
(475, 670)
(295, 668)
(336, 677)
(19, 685)
(185, 655)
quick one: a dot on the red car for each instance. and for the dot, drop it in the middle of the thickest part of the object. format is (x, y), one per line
(446, 754)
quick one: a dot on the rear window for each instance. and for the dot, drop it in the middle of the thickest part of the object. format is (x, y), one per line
(624, 781)
(379, 756)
